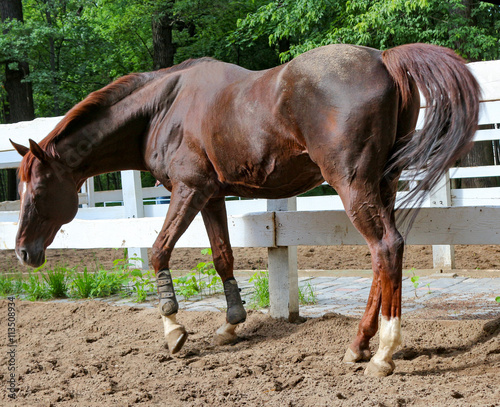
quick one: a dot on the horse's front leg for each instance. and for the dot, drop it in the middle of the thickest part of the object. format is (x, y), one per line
(185, 203)
(215, 218)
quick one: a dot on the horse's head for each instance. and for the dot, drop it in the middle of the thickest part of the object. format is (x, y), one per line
(49, 199)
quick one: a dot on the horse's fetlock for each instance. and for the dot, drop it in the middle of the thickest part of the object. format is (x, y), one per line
(166, 294)
(236, 313)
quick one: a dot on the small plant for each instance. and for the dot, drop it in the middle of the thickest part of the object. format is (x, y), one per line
(107, 283)
(57, 281)
(307, 296)
(6, 286)
(497, 299)
(203, 280)
(35, 288)
(260, 295)
(415, 279)
(142, 284)
(82, 284)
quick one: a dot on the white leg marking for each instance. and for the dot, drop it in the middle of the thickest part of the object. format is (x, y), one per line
(390, 339)
(170, 323)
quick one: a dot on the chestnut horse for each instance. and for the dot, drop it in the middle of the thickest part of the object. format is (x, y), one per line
(207, 129)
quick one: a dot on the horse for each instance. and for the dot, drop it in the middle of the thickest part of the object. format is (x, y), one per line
(206, 129)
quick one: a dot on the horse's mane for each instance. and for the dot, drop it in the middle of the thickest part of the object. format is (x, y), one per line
(102, 98)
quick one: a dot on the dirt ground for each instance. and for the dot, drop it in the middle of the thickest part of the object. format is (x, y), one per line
(309, 258)
(95, 354)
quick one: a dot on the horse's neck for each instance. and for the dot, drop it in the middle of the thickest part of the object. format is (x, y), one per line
(110, 141)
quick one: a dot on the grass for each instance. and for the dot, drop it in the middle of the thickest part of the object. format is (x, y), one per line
(260, 295)
(64, 282)
(202, 280)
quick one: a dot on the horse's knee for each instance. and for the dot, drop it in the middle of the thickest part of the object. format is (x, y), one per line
(160, 256)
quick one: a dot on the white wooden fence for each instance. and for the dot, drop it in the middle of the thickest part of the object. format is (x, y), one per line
(449, 216)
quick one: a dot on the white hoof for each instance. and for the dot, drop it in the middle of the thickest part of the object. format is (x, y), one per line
(225, 334)
(175, 334)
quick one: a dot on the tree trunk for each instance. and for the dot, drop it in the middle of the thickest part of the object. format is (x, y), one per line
(163, 46)
(19, 93)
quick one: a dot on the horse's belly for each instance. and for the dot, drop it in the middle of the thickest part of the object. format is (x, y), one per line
(279, 179)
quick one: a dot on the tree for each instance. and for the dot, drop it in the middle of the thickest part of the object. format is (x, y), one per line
(19, 104)
(163, 47)
(380, 24)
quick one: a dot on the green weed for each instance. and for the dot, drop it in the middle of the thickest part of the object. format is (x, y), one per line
(203, 280)
(57, 281)
(307, 296)
(36, 289)
(415, 279)
(260, 296)
(142, 284)
(497, 299)
(82, 284)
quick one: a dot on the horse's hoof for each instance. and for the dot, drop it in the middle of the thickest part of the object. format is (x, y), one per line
(176, 339)
(225, 335)
(379, 368)
(353, 357)
(225, 338)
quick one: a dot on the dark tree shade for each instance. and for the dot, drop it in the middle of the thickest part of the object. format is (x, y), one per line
(19, 93)
(163, 46)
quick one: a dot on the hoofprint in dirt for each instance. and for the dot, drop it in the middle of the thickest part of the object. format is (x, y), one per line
(94, 354)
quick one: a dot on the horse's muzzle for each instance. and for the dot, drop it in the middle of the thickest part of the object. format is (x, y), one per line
(33, 258)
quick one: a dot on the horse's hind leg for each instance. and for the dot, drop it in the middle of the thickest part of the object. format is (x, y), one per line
(376, 223)
(373, 216)
(215, 218)
(368, 326)
(185, 204)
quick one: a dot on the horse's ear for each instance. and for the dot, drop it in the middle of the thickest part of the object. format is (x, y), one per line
(19, 148)
(38, 152)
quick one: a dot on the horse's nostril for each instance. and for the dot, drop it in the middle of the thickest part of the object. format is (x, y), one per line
(23, 254)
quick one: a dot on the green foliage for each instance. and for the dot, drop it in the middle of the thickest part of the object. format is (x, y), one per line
(57, 282)
(82, 284)
(36, 289)
(415, 280)
(260, 295)
(307, 296)
(307, 24)
(203, 280)
(10, 285)
(142, 284)
(497, 299)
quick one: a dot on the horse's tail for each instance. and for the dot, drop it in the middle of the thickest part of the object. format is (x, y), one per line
(452, 98)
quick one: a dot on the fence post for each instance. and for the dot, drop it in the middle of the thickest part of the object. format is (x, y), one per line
(283, 275)
(443, 256)
(88, 189)
(134, 208)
